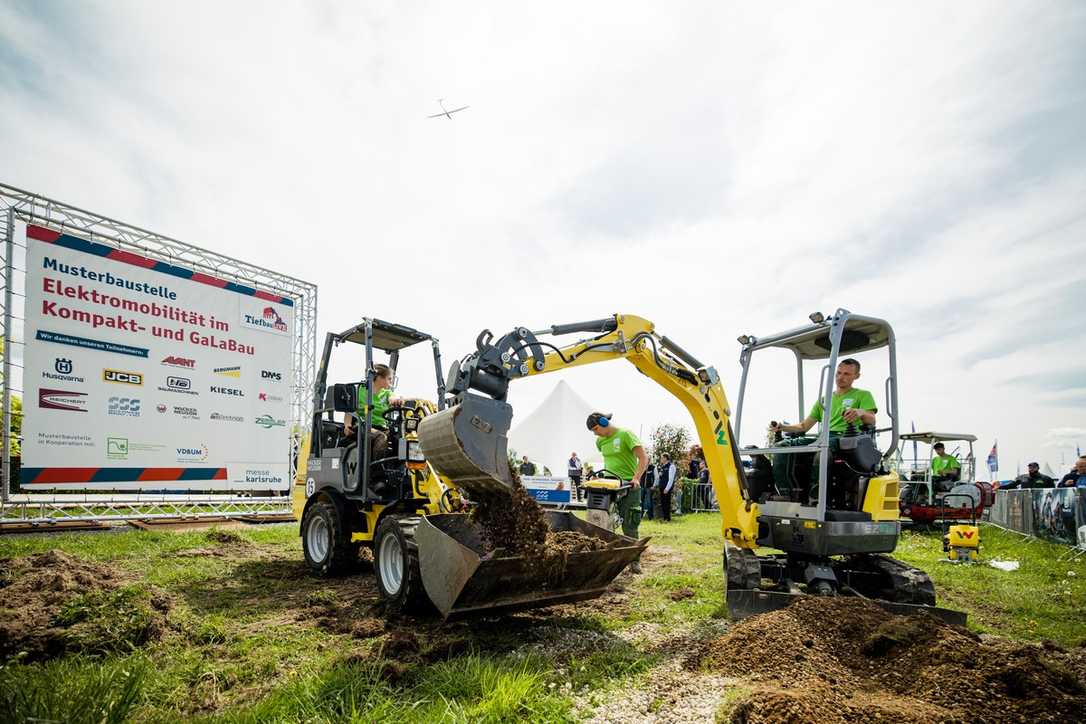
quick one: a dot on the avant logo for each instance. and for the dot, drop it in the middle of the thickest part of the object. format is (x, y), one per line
(63, 367)
(124, 406)
(184, 362)
(267, 422)
(126, 378)
(62, 400)
(117, 448)
(192, 454)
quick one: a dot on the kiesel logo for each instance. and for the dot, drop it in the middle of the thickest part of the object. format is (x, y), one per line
(127, 378)
(63, 367)
(62, 400)
(172, 361)
(124, 406)
(267, 422)
(228, 371)
(270, 375)
(227, 391)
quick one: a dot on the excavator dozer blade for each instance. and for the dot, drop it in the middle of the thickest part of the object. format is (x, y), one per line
(461, 580)
(743, 603)
(467, 444)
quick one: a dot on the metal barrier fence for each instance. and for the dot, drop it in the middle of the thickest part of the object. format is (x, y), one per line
(698, 497)
(1056, 514)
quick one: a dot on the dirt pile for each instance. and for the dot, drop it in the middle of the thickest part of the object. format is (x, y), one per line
(51, 603)
(845, 659)
(514, 522)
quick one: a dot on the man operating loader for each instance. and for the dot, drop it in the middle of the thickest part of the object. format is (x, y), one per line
(624, 456)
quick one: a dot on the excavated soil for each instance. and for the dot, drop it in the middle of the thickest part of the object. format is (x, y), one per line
(847, 659)
(38, 622)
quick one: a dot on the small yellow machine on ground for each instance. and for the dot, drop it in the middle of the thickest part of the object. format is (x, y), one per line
(961, 542)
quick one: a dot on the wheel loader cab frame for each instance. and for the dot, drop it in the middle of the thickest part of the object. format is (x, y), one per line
(875, 499)
(344, 465)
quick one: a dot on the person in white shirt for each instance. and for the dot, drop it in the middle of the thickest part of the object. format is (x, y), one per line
(665, 480)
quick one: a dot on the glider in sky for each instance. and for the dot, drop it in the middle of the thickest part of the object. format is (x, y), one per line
(447, 113)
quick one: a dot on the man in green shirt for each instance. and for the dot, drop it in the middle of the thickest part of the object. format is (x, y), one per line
(624, 456)
(850, 404)
(943, 466)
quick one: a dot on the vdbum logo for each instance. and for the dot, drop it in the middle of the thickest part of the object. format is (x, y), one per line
(266, 319)
(127, 378)
(63, 367)
(62, 400)
(194, 454)
(228, 371)
(124, 406)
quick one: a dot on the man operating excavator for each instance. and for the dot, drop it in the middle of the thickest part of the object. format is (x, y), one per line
(624, 456)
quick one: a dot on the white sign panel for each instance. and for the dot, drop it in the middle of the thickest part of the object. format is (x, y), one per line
(143, 375)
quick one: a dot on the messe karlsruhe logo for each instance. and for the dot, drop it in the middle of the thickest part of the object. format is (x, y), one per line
(261, 315)
(122, 377)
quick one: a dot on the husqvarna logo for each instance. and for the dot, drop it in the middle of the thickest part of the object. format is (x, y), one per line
(63, 366)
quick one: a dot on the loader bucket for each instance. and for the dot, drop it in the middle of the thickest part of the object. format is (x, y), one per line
(466, 443)
(461, 580)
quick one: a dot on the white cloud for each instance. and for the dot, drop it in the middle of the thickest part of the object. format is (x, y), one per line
(719, 169)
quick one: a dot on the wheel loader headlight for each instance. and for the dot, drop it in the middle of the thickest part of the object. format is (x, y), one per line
(411, 424)
(817, 317)
(414, 452)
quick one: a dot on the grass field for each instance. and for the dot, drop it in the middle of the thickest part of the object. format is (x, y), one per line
(251, 637)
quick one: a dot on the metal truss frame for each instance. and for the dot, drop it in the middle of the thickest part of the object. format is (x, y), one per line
(17, 204)
(44, 510)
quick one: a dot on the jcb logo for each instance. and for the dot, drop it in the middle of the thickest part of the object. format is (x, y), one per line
(127, 378)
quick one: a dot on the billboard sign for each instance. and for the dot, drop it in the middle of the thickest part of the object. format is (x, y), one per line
(149, 375)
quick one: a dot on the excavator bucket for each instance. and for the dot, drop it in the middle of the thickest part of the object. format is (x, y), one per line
(467, 444)
(461, 580)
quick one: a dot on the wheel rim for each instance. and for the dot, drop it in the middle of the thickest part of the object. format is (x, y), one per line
(318, 539)
(390, 561)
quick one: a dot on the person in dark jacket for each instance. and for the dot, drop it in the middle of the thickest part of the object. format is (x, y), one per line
(666, 476)
(648, 485)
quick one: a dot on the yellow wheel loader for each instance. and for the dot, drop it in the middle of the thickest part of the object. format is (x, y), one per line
(425, 550)
(831, 541)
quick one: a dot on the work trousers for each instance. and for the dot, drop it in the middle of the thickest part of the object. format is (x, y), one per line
(665, 504)
(629, 508)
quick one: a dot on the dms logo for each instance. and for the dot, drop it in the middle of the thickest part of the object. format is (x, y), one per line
(268, 320)
(62, 400)
(270, 375)
(189, 364)
(124, 406)
(126, 378)
(192, 454)
(63, 367)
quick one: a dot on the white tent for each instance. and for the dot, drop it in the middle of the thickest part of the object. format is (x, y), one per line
(555, 429)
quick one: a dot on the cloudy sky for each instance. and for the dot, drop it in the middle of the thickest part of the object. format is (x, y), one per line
(718, 168)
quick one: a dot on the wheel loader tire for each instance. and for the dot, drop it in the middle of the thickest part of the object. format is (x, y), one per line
(326, 541)
(396, 563)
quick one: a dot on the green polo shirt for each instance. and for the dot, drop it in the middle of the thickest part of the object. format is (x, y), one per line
(618, 453)
(380, 406)
(854, 399)
(942, 463)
